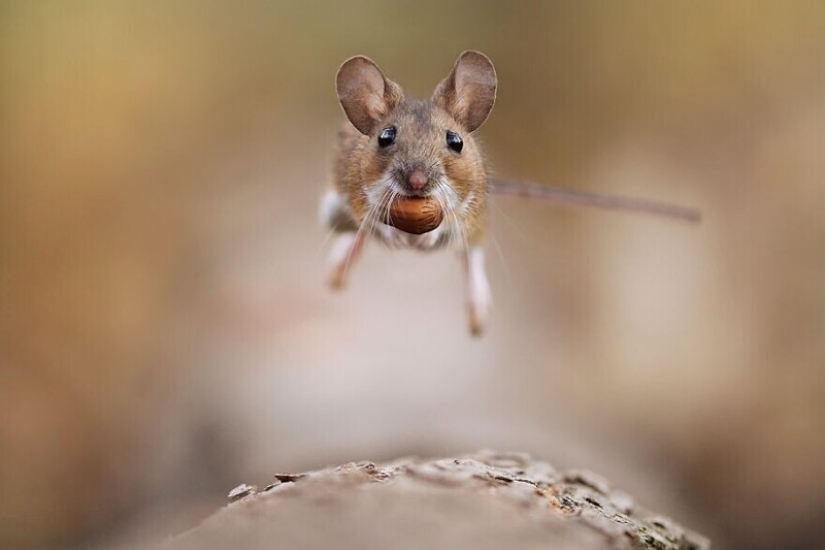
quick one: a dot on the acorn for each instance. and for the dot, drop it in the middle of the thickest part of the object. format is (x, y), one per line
(416, 215)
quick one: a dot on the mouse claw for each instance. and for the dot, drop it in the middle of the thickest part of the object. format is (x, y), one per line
(337, 279)
(479, 312)
(477, 324)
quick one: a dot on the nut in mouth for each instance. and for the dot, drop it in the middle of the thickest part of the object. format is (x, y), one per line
(415, 215)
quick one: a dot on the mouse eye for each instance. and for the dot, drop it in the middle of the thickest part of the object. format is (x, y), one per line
(386, 137)
(454, 142)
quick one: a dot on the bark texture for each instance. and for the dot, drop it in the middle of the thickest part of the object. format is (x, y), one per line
(482, 501)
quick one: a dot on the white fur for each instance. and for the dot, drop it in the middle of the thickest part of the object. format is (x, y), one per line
(395, 238)
(332, 203)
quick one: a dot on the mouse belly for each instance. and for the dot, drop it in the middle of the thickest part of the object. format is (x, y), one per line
(395, 238)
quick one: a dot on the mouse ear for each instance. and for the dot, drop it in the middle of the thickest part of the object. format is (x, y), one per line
(366, 95)
(469, 92)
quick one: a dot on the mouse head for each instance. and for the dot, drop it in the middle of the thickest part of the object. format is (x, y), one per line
(420, 147)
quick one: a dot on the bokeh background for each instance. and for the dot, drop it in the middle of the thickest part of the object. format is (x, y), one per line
(165, 333)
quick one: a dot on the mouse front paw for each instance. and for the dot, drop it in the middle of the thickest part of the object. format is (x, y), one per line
(345, 250)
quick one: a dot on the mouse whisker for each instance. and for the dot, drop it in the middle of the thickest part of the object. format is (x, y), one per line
(366, 225)
(448, 200)
(394, 193)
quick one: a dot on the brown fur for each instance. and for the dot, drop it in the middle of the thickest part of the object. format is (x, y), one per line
(460, 104)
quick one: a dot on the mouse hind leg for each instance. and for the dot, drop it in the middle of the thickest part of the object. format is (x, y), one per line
(479, 297)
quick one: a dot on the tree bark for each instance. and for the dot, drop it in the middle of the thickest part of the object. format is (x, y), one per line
(482, 501)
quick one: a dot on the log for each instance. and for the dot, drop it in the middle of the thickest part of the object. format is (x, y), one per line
(481, 501)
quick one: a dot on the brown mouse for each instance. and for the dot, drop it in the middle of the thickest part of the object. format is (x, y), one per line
(409, 172)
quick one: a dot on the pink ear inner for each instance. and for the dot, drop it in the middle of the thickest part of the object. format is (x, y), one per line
(364, 93)
(469, 91)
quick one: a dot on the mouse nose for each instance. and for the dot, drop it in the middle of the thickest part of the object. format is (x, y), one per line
(417, 179)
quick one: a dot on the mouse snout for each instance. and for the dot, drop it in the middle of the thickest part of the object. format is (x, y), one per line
(417, 179)
(414, 178)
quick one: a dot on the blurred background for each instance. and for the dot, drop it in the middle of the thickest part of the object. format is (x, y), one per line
(165, 333)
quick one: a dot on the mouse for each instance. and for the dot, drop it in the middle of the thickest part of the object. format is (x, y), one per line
(402, 160)
(409, 173)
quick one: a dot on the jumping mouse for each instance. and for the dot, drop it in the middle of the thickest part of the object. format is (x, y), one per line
(409, 172)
